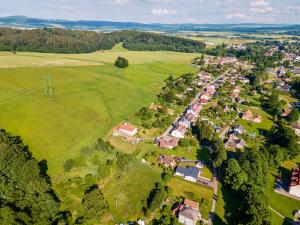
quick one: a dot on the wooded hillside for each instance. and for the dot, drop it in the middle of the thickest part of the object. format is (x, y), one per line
(74, 41)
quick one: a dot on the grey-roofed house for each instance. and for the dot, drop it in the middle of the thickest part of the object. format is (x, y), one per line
(239, 129)
(188, 173)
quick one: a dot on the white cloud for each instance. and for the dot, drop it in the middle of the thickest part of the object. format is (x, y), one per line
(261, 6)
(160, 12)
(236, 15)
(120, 2)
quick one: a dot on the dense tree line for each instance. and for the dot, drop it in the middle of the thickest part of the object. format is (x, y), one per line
(26, 196)
(75, 41)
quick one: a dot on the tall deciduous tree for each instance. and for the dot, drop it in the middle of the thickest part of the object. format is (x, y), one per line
(26, 196)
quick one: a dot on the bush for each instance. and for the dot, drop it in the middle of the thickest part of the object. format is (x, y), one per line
(69, 165)
(121, 62)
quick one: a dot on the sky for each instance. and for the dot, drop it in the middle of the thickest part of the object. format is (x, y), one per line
(159, 11)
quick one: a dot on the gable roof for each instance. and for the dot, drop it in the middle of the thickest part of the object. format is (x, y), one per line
(127, 127)
(191, 203)
(188, 171)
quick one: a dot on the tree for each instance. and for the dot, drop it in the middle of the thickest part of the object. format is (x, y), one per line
(69, 165)
(286, 138)
(121, 62)
(94, 204)
(286, 63)
(234, 177)
(26, 196)
(293, 116)
(204, 130)
(273, 105)
(219, 154)
(156, 197)
(255, 207)
(276, 155)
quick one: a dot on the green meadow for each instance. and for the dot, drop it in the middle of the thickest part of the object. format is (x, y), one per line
(90, 96)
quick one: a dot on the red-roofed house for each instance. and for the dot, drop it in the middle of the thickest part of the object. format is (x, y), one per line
(125, 129)
(168, 142)
(294, 187)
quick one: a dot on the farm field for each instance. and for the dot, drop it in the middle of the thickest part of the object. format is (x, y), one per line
(33, 59)
(89, 100)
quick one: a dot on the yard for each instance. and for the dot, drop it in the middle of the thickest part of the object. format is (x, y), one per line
(126, 192)
(180, 188)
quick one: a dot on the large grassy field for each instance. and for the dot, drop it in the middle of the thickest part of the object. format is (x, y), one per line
(90, 97)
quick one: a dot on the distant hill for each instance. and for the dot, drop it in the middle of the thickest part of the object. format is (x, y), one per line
(26, 22)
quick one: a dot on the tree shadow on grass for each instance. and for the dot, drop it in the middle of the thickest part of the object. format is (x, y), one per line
(232, 204)
(287, 221)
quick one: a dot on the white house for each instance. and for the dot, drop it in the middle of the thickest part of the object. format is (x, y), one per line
(179, 132)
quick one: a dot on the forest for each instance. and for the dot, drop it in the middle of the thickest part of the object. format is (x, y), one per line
(56, 40)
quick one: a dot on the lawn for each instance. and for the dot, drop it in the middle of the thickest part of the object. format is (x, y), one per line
(88, 101)
(283, 204)
(227, 203)
(125, 193)
(180, 188)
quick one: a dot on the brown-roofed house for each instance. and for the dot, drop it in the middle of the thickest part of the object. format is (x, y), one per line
(168, 142)
(188, 212)
(168, 161)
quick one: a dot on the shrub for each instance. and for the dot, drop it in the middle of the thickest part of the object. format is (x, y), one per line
(121, 62)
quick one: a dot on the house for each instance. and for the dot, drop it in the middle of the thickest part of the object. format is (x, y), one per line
(239, 129)
(296, 127)
(294, 186)
(141, 222)
(188, 173)
(226, 109)
(280, 72)
(204, 77)
(211, 89)
(196, 107)
(248, 115)
(286, 112)
(126, 129)
(244, 80)
(235, 143)
(237, 89)
(296, 218)
(168, 142)
(191, 117)
(188, 212)
(285, 88)
(179, 131)
(155, 107)
(184, 122)
(168, 161)
(203, 101)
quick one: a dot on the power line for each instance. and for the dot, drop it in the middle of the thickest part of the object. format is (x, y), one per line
(20, 94)
(8, 95)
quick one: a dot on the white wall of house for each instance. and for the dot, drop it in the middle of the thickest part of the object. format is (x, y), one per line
(129, 133)
(192, 179)
(177, 134)
(179, 174)
(295, 190)
(186, 221)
